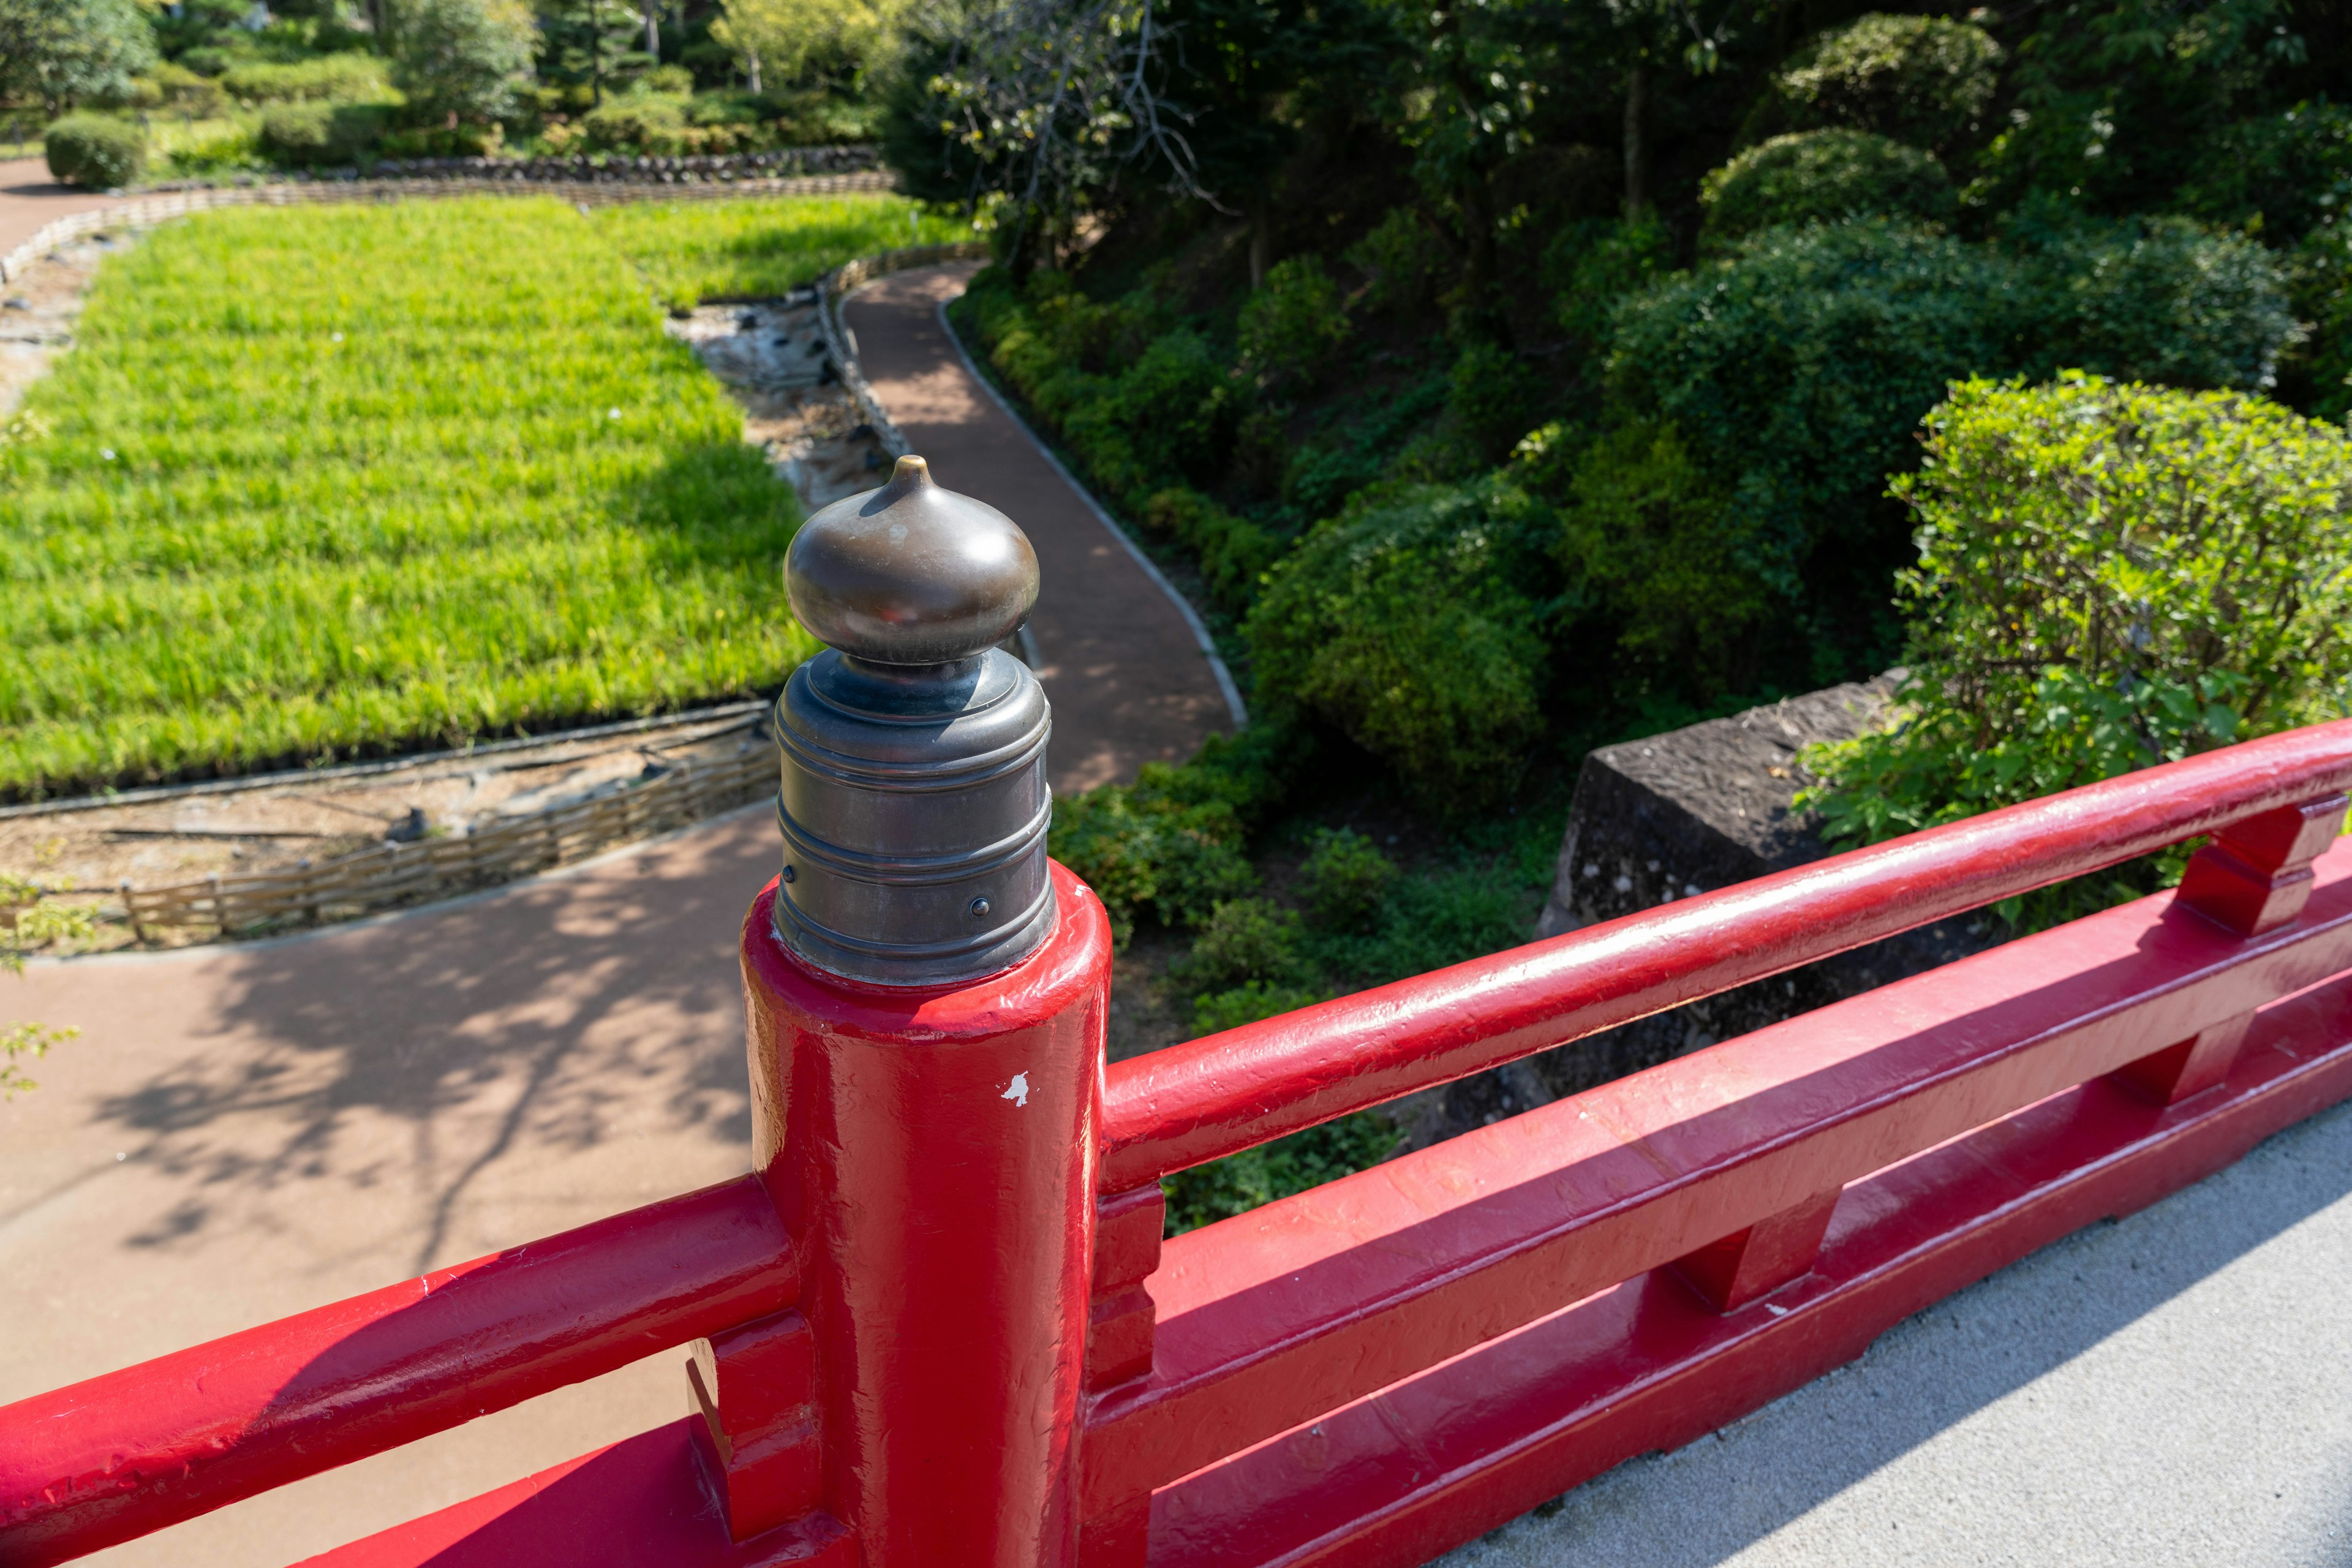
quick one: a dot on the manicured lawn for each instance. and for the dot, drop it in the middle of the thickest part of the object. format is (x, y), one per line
(691, 251)
(318, 483)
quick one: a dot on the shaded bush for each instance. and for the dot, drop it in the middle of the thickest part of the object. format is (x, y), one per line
(1660, 567)
(1292, 326)
(1233, 551)
(1405, 624)
(2158, 300)
(321, 135)
(1243, 940)
(95, 152)
(1170, 844)
(1240, 1182)
(1821, 175)
(327, 79)
(631, 124)
(1926, 80)
(1344, 878)
(2110, 575)
(1222, 1010)
(1403, 257)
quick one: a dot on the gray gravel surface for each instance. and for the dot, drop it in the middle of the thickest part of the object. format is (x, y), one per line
(2172, 1388)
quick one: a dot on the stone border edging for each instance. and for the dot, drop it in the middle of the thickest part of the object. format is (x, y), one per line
(180, 203)
(833, 158)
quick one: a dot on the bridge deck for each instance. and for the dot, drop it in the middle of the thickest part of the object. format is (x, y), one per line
(2169, 1389)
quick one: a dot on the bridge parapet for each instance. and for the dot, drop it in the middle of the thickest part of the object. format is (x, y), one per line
(938, 1324)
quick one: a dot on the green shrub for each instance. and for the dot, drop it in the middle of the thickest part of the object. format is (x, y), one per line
(95, 152)
(2158, 300)
(1821, 175)
(1428, 921)
(1177, 406)
(1240, 1182)
(1292, 326)
(1222, 1010)
(2280, 176)
(2110, 575)
(1344, 878)
(1243, 939)
(1926, 80)
(1403, 257)
(1492, 396)
(1405, 623)
(179, 90)
(634, 124)
(1594, 263)
(1233, 551)
(1797, 369)
(321, 135)
(328, 78)
(1657, 565)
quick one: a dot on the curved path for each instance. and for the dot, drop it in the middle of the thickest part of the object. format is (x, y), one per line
(1128, 677)
(30, 198)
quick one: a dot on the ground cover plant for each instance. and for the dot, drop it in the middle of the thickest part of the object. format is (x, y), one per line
(326, 482)
(761, 247)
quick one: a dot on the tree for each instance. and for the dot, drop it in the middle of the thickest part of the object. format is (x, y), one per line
(65, 52)
(1042, 102)
(792, 39)
(462, 60)
(591, 41)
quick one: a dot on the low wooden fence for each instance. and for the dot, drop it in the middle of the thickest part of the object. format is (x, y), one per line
(938, 1326)
(386, 875)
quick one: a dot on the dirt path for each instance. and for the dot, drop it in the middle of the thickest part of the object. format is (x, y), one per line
(1128, 680)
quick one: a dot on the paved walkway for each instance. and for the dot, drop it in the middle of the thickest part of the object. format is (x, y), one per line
(1128, 681)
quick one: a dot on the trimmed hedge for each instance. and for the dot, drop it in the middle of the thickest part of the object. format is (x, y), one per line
(1822, 175)
(95, 152)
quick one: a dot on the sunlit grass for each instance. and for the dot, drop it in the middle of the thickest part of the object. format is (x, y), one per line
(320, 482)
(691, 251)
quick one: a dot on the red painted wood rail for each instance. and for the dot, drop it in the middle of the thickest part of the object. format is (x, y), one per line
(941, 1327)
(119, 1455)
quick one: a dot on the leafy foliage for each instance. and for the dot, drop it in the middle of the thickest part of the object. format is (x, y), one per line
(1242, 1181)
(2110, 575)
(1403, 624)
(462, 60)
(94, 150)
(60, 53)
(27, 924)
(1291, 327)
(1344, 878)
(314, 135)
(1822, 175)
(1926, 80)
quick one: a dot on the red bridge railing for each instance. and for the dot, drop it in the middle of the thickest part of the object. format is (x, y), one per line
(941, 1326)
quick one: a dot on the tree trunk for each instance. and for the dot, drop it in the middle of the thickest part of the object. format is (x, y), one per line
(1637, 157)
(653, 29)
(752, 69)
(1261, 225)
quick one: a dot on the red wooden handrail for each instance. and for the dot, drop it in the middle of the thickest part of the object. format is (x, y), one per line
(119, 1455)
(1218, 1095)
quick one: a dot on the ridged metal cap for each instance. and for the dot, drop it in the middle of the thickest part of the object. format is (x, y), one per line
(913, 799)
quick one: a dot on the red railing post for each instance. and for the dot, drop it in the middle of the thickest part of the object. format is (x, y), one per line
(2253, 877)
(926, 1001)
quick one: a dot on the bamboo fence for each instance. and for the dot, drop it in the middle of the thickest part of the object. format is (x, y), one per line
(386, 875)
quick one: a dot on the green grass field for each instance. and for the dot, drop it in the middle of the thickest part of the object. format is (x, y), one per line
(692, 251)
(326, 482)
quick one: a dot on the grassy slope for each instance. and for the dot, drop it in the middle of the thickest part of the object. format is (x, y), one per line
(691, 251)
(503, 497)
